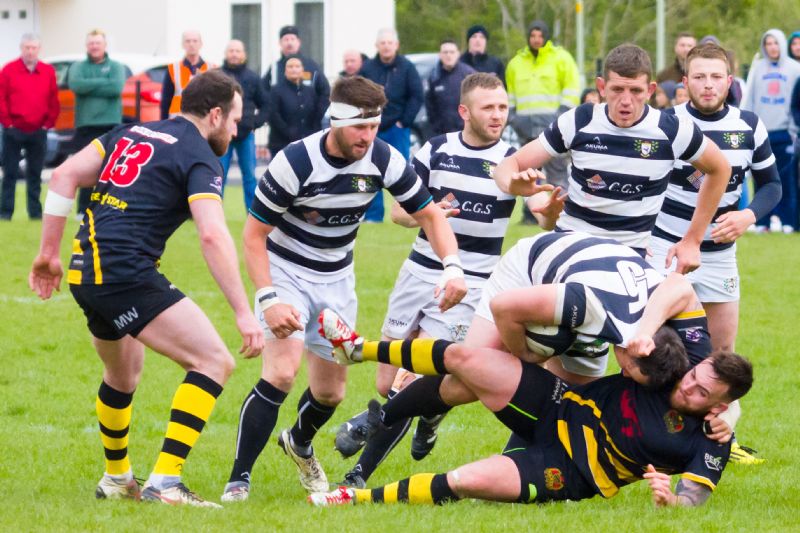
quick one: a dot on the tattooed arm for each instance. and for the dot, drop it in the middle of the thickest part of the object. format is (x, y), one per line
(687, 493)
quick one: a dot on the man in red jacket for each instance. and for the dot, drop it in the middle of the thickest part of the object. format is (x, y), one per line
(28, 107)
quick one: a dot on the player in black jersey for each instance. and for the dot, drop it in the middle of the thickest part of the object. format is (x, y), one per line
(571, 443)
(148, 179)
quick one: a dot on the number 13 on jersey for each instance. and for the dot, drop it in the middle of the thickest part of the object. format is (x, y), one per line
(126, 162)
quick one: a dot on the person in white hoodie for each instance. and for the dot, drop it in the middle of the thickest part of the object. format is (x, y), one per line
(768, 94)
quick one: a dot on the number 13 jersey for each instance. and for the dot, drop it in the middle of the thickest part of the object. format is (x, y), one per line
(149, 176)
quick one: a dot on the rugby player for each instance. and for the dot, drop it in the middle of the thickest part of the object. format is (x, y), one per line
(743, 139)
(622, 154)
(457, 169)
(299, 239)
(571, 443)
(148, 179)
(597, 290)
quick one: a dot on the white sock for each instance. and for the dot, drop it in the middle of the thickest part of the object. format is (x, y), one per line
(120, 478)
(161, 482)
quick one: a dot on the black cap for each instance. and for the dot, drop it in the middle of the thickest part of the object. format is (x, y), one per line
(289, 30)
(542, 27)
(477, 28)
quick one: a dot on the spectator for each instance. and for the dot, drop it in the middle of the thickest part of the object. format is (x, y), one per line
(403, 88)
(444, 90)
(97, 82)
(28, 107)
(352, 61)
(181, 73)
(295, 109)
(313, 76)
(794, 45)
(254, 115)
(476, 56)
(681, 94)
(770, 85)
(674, 72)
(590, 96)
(542, 81)
(663, 95)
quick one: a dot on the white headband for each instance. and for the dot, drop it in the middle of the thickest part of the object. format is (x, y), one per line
(349, 115)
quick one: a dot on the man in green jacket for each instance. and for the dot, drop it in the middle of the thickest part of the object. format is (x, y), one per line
(97, 82)
(543, 82)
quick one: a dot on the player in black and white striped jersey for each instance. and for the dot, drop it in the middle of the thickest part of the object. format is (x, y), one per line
(743, 139)
(622, 154)
(457, 168)
(299, 241)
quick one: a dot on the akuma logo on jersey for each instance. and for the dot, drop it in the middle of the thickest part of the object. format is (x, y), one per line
(449, 164)
(645, 148)
(489, 168)
(713, 463)
(596, 183)
(596, 145)
(735, 140)
(674, 421)
(553, 479)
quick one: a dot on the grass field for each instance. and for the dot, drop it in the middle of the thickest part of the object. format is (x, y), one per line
(51, 456)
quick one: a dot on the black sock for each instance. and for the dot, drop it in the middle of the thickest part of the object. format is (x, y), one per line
(441, 491)
(257, 419)
(379, 446)
(419, 398)
(311, 416)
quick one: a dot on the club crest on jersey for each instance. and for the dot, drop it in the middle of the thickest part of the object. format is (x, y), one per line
(313, 217)
(693, 334)
(596, 183)
(730, 284)
(362, 183)
(735, 140)
(696, 179)
(217, 183)
(674, 421)
(645, 148)
(458, 332)
(489, 168)
(553, 479)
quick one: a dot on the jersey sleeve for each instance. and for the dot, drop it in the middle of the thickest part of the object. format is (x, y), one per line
(689, 143)
(762, 151)
(557, 137)
(276, 190)
(404, 184)
(708, 462)
(422, 163)
(204, 180)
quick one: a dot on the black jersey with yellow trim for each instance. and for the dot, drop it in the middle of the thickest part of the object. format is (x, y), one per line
(692, 328)
(149, 175)
(612, 428)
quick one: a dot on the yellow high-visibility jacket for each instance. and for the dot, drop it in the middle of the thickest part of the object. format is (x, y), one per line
(538, 85)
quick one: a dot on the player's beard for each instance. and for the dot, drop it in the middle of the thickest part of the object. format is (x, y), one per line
(219, 140)
(346, 149)
(485, 135)
(707, 109)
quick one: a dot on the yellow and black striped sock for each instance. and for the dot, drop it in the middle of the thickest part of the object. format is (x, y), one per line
(191, 407)
(419, 488)
(114, 416)
(421, 356)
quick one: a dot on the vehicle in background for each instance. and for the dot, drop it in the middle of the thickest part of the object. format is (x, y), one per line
(141, 97)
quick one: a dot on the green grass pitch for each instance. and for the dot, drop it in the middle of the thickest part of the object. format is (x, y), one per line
(51, 456)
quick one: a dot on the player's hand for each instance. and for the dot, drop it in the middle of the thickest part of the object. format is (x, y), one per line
(454, 291)
(45, 276)
(660, 486)
(252, 334)
(688, 256)
(640, 346)
(719, 430)
(528, 182)
(283, 320)
(448, 209)
(554, 205)
(730, 226)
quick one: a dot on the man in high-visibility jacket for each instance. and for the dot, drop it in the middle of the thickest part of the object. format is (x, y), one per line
(180, 73)
(542, 81)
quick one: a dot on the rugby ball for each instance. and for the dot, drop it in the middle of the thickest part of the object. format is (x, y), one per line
(548, 341)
